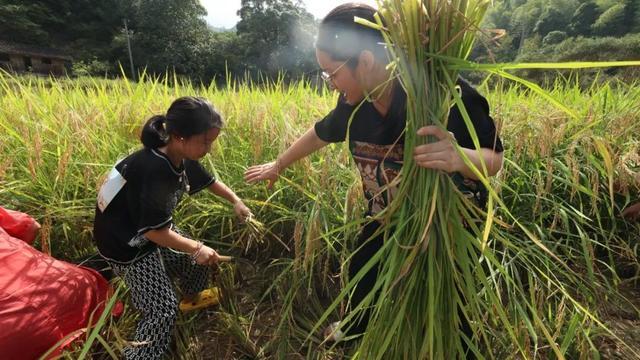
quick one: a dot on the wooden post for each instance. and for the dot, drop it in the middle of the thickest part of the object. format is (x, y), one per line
(126, 30)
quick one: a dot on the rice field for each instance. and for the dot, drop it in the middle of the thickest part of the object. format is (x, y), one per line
(564, 183)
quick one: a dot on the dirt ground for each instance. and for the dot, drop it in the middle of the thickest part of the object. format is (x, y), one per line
(234, 336)
(623, 319)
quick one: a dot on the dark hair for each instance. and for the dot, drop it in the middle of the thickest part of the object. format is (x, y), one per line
(344, 39)
(187, 116)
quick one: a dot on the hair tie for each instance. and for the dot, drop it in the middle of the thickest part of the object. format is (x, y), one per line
(163, 121)
(162, 128)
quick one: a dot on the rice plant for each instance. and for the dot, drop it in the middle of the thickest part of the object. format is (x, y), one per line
(61, 135)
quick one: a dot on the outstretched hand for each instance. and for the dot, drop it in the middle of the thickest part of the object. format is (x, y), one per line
(268, 171)
(632, 212)
(439, 155)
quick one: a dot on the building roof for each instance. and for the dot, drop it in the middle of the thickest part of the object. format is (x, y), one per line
(32, 50)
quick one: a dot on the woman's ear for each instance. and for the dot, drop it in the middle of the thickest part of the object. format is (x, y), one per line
(366, 61)
(366, 69)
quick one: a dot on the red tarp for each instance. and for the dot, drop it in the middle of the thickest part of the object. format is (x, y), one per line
(42, 300)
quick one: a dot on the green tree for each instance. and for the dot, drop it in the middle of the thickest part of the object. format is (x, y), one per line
(499, 16)
(168, 35)
(551, 19)
(278, 35)
(632, 15)
(523, 21)
(554, 37)
(583, 18)
(85, 29)
(555, 16)
(606, 4)
(226, 54)
(24, 22)
(611, 22)
(90, 27)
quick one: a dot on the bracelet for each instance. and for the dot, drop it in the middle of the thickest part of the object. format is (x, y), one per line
(278, 162)
(196, 253)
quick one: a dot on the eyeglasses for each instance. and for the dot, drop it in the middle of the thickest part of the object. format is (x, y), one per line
(328, 78)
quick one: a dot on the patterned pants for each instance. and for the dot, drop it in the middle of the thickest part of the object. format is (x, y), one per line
(153, 295)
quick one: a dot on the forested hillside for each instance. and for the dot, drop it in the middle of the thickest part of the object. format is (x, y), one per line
(277, 35)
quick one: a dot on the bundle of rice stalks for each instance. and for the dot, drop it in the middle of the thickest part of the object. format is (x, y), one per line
(251, 235)
(429, 275)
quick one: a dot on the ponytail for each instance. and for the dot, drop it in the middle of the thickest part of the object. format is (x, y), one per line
(187, 116)
(154, 134)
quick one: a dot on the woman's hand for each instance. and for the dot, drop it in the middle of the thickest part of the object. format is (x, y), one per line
(241, 210)
(439, 155)
(269, 171)
(632, 212)
(207, 256)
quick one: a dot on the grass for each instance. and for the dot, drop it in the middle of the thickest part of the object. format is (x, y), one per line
(565, 181)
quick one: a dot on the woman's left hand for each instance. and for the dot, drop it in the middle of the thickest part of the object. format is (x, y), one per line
(439, 155)
(632, 212)
(241, 211)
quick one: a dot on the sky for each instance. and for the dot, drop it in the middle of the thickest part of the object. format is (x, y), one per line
(222, 13)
